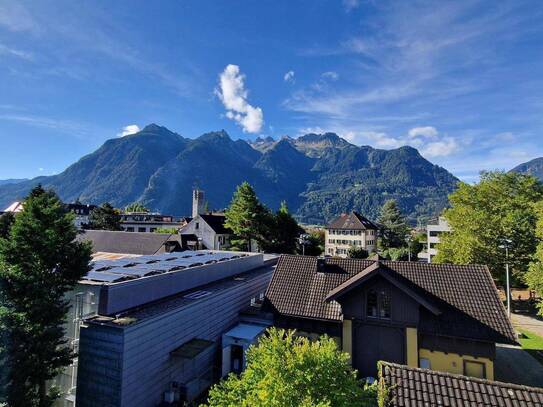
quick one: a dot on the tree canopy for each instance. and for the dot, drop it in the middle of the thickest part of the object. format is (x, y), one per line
(105, 217)
(500, 206)
(40, 261)
(357, 252)
(282, 232)
(285, 370)
(6, 220)
(534, 276)
(136, 207)
(246, 217)
(394, 225)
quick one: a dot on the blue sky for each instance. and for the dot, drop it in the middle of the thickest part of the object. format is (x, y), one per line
(460, 80)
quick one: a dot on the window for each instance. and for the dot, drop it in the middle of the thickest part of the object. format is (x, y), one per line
(474, 369)
(378, 304)
(425, 363)
(384, 304)
(197, 226)
(371, 304)
(141, 229)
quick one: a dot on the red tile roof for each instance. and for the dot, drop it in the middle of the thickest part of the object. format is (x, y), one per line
(352, 221)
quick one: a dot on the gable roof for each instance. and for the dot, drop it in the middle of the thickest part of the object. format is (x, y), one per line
(371, 271)
(216, 222)
(411, 386)
(127, 242)
(465, 295)
(352, 221)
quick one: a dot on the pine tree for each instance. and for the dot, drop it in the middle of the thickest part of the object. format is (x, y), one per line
(282, 232)
(105, 217)
(246, 217)
(40, 261)
(394, 224)
(6, 220)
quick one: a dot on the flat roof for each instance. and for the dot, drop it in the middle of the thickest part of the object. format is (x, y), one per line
(245, 331)
(179, 300)
(113, 269)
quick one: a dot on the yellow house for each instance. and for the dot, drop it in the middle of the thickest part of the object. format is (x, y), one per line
(435, 316)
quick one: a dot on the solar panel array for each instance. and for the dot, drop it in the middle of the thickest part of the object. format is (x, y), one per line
(112, 271)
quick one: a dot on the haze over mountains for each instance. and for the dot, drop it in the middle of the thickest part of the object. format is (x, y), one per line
(533, 167)
(319, 175)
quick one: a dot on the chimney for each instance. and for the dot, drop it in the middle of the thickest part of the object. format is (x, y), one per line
(198, 203)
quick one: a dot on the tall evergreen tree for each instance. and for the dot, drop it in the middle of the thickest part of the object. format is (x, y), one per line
(40, 261)
(105, 217)
(394, 224)
(282, 232)
(246, 217)
(6, 220)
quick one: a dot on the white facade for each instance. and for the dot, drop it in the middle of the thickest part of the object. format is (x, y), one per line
(432, 238)
(207, 237)
(338, 241)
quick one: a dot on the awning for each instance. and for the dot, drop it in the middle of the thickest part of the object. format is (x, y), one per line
(192, 348)
(246, 331)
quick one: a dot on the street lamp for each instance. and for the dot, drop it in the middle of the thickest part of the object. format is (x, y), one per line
(506, 244)
(303, 240)
(408, 239)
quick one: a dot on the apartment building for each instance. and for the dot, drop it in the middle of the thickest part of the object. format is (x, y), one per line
(433, 233)
(350, 230)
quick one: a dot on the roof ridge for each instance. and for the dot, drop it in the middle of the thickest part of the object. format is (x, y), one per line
(463, 377)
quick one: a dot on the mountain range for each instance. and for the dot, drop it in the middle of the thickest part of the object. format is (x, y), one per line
(533, 167)
(318, 175)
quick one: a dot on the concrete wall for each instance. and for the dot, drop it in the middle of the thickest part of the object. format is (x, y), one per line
(455, 363)
(147, 366)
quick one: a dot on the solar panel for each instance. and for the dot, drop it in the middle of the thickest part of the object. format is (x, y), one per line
(105, 277)
(133, 271)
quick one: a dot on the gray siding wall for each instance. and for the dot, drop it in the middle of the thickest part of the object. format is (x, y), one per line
(148, 367)
(99, 378)
(204, 231)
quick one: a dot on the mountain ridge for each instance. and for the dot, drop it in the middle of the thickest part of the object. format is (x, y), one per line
(533, 167)
(319, 175)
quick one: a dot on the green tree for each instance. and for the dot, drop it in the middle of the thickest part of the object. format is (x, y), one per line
(6, 220)
(282, 232)
(396, 254)
(394, 225)
(136, 207)
(314, 245)
(40, 261)
(171, 231)
(534, 276)
(500, 206)
(284, 370)
(357, 252)
(246, 217)
(105, 217)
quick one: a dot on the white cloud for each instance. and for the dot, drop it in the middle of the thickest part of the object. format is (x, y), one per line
(128, 130)
(351, 4)
(331, 75)
(427, 131)
(5, 50)
(40, 169)
(15, 17)
(442, 148)
(233, 95)
(289, 76)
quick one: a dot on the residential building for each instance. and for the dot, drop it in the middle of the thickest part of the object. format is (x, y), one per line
(349, 230)
(108, 241)
(15, 207)
(433, 233)
(438, 316)
(81, 212)
(411, 386)
(150, 222)
(206, 231)
(148, 329)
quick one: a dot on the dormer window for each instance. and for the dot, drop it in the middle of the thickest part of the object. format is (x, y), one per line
(378, 304)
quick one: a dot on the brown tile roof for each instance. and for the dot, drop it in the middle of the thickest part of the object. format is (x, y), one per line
(410, 386)
(352, 221)
(464, 294)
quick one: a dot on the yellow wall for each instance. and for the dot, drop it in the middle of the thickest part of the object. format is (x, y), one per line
(453, 363)
(347, 344)
(412, 347)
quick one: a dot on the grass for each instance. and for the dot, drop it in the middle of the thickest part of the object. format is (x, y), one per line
(532, 343)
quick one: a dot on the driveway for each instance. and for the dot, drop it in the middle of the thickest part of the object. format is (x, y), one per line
(515, 365)
(528, 322)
